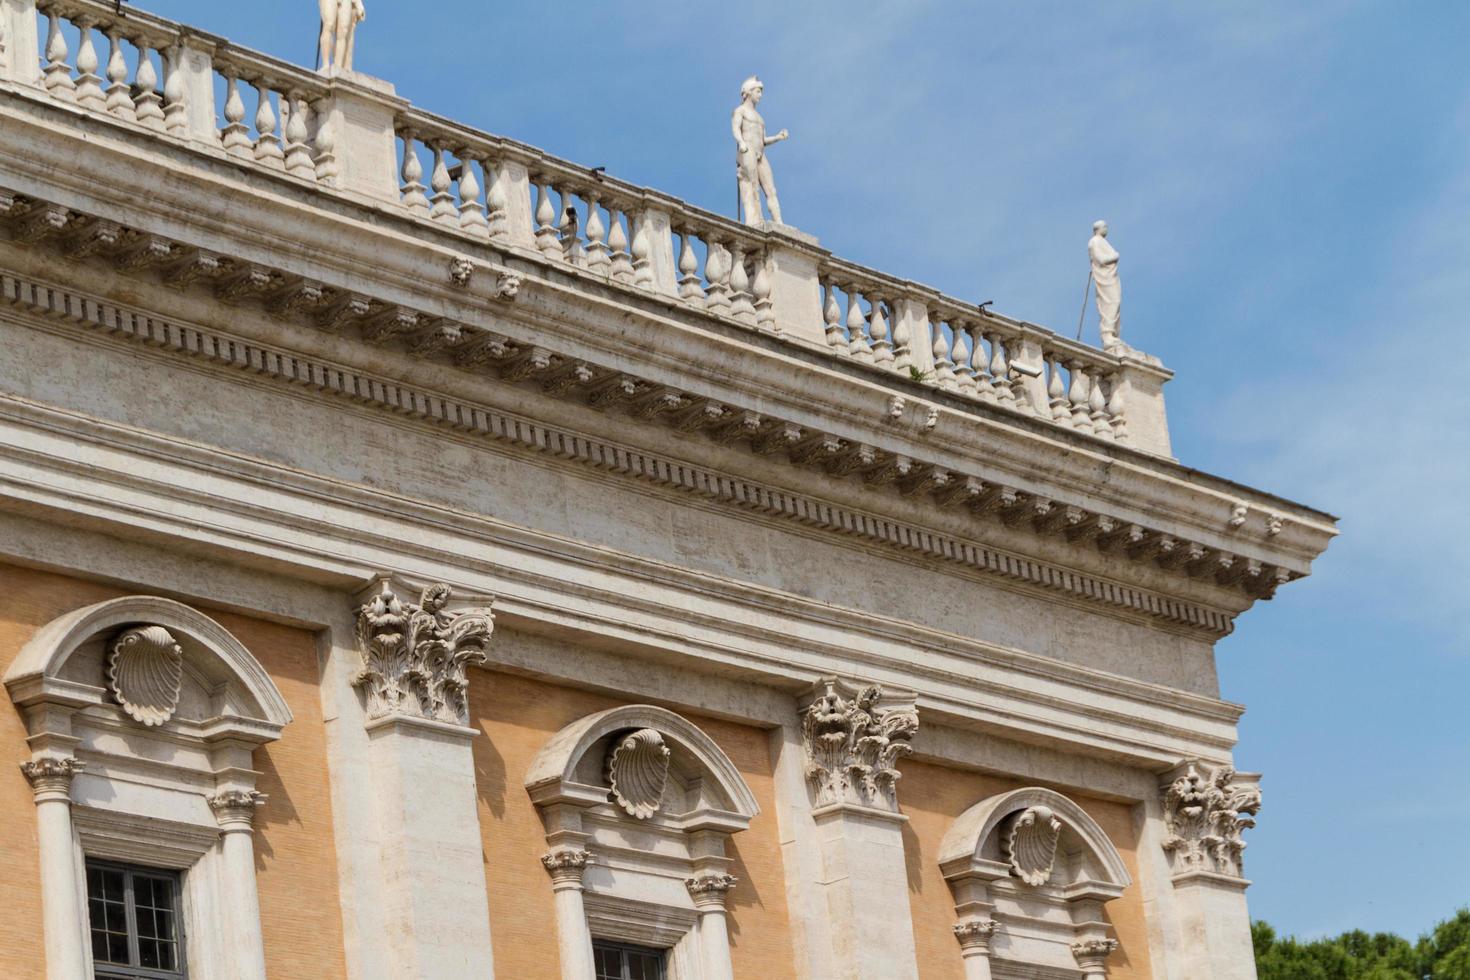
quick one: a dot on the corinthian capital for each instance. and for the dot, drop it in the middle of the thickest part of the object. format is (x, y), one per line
(414, 655)
(1206, 809)
(852, 743)
(51, 777)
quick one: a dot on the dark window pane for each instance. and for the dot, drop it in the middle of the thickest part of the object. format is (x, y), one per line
(99, 946)
(116, 917)
(148, 953)
(168, 956)
(117, 948)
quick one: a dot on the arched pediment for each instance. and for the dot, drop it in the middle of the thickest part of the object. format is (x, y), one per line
(973, 847)
(45, 669)
(572, 764)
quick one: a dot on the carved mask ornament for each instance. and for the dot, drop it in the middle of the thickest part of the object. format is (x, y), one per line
(638, 769)
(145, 667)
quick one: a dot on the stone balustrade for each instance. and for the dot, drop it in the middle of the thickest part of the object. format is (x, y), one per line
(265, 113)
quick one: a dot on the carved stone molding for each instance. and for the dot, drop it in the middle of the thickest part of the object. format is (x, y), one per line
(1031, 844)
(637, 769)
(565, 865)
(234, 809)
(710, 890)
(145, 666)
(414, 656)
(852, 745)
(51, 777)
(1206, 809)
(974, 936)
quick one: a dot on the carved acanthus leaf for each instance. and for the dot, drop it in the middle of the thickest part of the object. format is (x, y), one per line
(637, 770)
(415, 656)
(145, 667)
(852, 746)
(1206, 810)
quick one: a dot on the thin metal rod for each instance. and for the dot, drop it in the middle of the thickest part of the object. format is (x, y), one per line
(1086, 291)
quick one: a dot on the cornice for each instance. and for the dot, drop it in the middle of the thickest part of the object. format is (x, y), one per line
(184, 486)
(265, 362)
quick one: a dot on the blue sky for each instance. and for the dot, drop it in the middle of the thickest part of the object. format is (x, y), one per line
(1289, 186)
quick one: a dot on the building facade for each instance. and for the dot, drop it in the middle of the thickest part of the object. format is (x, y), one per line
(423, 557)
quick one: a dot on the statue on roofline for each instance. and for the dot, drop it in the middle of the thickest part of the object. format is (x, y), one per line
(339, 32)
(752, 169)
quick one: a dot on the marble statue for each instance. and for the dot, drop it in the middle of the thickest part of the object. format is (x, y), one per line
(339, 32)
(753, 170)
(1109, 290)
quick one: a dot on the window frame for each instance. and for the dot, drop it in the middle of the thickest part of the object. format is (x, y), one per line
(623, 949)
(114, 971)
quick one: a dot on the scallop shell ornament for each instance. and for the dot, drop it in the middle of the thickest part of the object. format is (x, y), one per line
(144, 668)
(638, 769)
(1032, 844)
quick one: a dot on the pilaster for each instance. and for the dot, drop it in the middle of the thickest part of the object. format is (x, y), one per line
(435, 913)
(848, 883)
(1206, 809)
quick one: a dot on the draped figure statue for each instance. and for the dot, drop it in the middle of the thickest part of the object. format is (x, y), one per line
(339, 32)
(1109, 290)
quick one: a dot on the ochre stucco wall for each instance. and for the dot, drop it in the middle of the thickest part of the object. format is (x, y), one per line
(932, 798)
(516, 716)
(295, 859)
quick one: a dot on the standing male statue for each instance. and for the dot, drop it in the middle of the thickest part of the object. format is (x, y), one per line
(752, 169)
(1109, 290)
(339, 32)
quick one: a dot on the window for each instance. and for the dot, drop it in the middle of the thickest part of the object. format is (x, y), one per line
(134, 916)
(619, 961)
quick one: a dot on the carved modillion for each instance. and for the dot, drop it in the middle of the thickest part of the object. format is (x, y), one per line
(415, 655)
(145, 667)
(637, 769)
(1031, 844)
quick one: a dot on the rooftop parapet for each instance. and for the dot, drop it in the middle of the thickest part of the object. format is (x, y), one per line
(348, 134)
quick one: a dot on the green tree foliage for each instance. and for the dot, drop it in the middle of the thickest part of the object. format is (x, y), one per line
(1441, 954)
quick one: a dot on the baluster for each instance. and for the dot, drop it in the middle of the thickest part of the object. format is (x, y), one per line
(979, 366)
(1077, 395)
(119, 98)
(498, 204)
(642, 253)
(598, 259)
(546, 239)
(328, 169)
(89, 84)
(857, 339)
(878, 331)
(267, 143)
(716, 273)
(298, 151)
(414, 197)
(832, 317)
(175, 101)
(1097, 407)
(471, 211)
(58, 73)
(1056, 393)
(1000, 372)
(943, 365)
(740, 306)
(570, 230)
(236, 135)
(760, 289)
(689, 283)
(617, 243)
(903, 357)
(964, 374)
(442, 209)
(149, 102)
(1116, 409)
